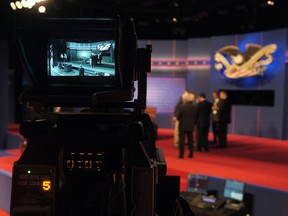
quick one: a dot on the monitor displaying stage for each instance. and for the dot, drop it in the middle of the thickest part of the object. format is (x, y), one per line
(72, 58)
(234, 190)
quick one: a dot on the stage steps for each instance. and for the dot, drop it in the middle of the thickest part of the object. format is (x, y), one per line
(5, 188)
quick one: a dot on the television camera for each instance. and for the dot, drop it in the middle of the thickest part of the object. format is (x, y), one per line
(100, 158)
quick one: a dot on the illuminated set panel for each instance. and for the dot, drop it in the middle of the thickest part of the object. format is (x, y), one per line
(164, 93)
(180, 63)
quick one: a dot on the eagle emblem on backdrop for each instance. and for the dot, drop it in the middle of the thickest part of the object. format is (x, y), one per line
(252, 62)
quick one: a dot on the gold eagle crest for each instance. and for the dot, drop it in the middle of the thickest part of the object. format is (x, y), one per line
(238, 64)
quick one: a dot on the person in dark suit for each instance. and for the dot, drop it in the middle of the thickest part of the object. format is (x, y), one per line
(224, 112)
(203, 113)
(186, 117)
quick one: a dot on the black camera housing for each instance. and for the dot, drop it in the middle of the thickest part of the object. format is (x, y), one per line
(102, 160)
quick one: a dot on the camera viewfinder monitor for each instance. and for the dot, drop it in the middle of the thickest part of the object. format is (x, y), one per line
(197, 183)
(234, 190)
(77, 58)
(73, 58)
(70, 52)
(81, 54)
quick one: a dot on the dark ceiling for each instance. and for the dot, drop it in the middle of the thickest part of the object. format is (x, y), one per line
(194, 18)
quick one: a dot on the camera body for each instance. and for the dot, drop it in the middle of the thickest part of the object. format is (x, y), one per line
(102, 160)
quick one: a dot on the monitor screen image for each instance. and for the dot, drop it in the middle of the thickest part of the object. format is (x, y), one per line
(84, 58)
(234, 190)
(197, 183)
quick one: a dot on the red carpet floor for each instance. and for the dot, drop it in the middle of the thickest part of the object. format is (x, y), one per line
(254, 160)
(3, 213)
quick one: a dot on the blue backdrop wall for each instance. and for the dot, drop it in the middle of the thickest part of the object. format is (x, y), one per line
(189, 64)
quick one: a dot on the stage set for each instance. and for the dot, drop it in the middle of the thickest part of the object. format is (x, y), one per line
(253, 69)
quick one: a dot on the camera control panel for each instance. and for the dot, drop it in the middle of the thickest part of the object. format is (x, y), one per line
(34, 189)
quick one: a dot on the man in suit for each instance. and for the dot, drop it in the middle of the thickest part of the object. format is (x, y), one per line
(224, 112)
(203, 113)
(186, 117)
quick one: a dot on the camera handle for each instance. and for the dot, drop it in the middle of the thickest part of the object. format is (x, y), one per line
(143, 67)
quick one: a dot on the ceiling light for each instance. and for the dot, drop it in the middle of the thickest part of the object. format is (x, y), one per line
(31, 3)
(24, 3)
(18, 4)
(13, 6)
(42, 9)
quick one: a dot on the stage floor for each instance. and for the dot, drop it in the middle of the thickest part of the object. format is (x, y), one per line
(254, 160)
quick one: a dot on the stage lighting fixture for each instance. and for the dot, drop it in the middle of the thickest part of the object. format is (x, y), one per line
(18, 4)
(24, 3)
(27, 4)
(13, 6)
(271, 3)
(42, 9)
